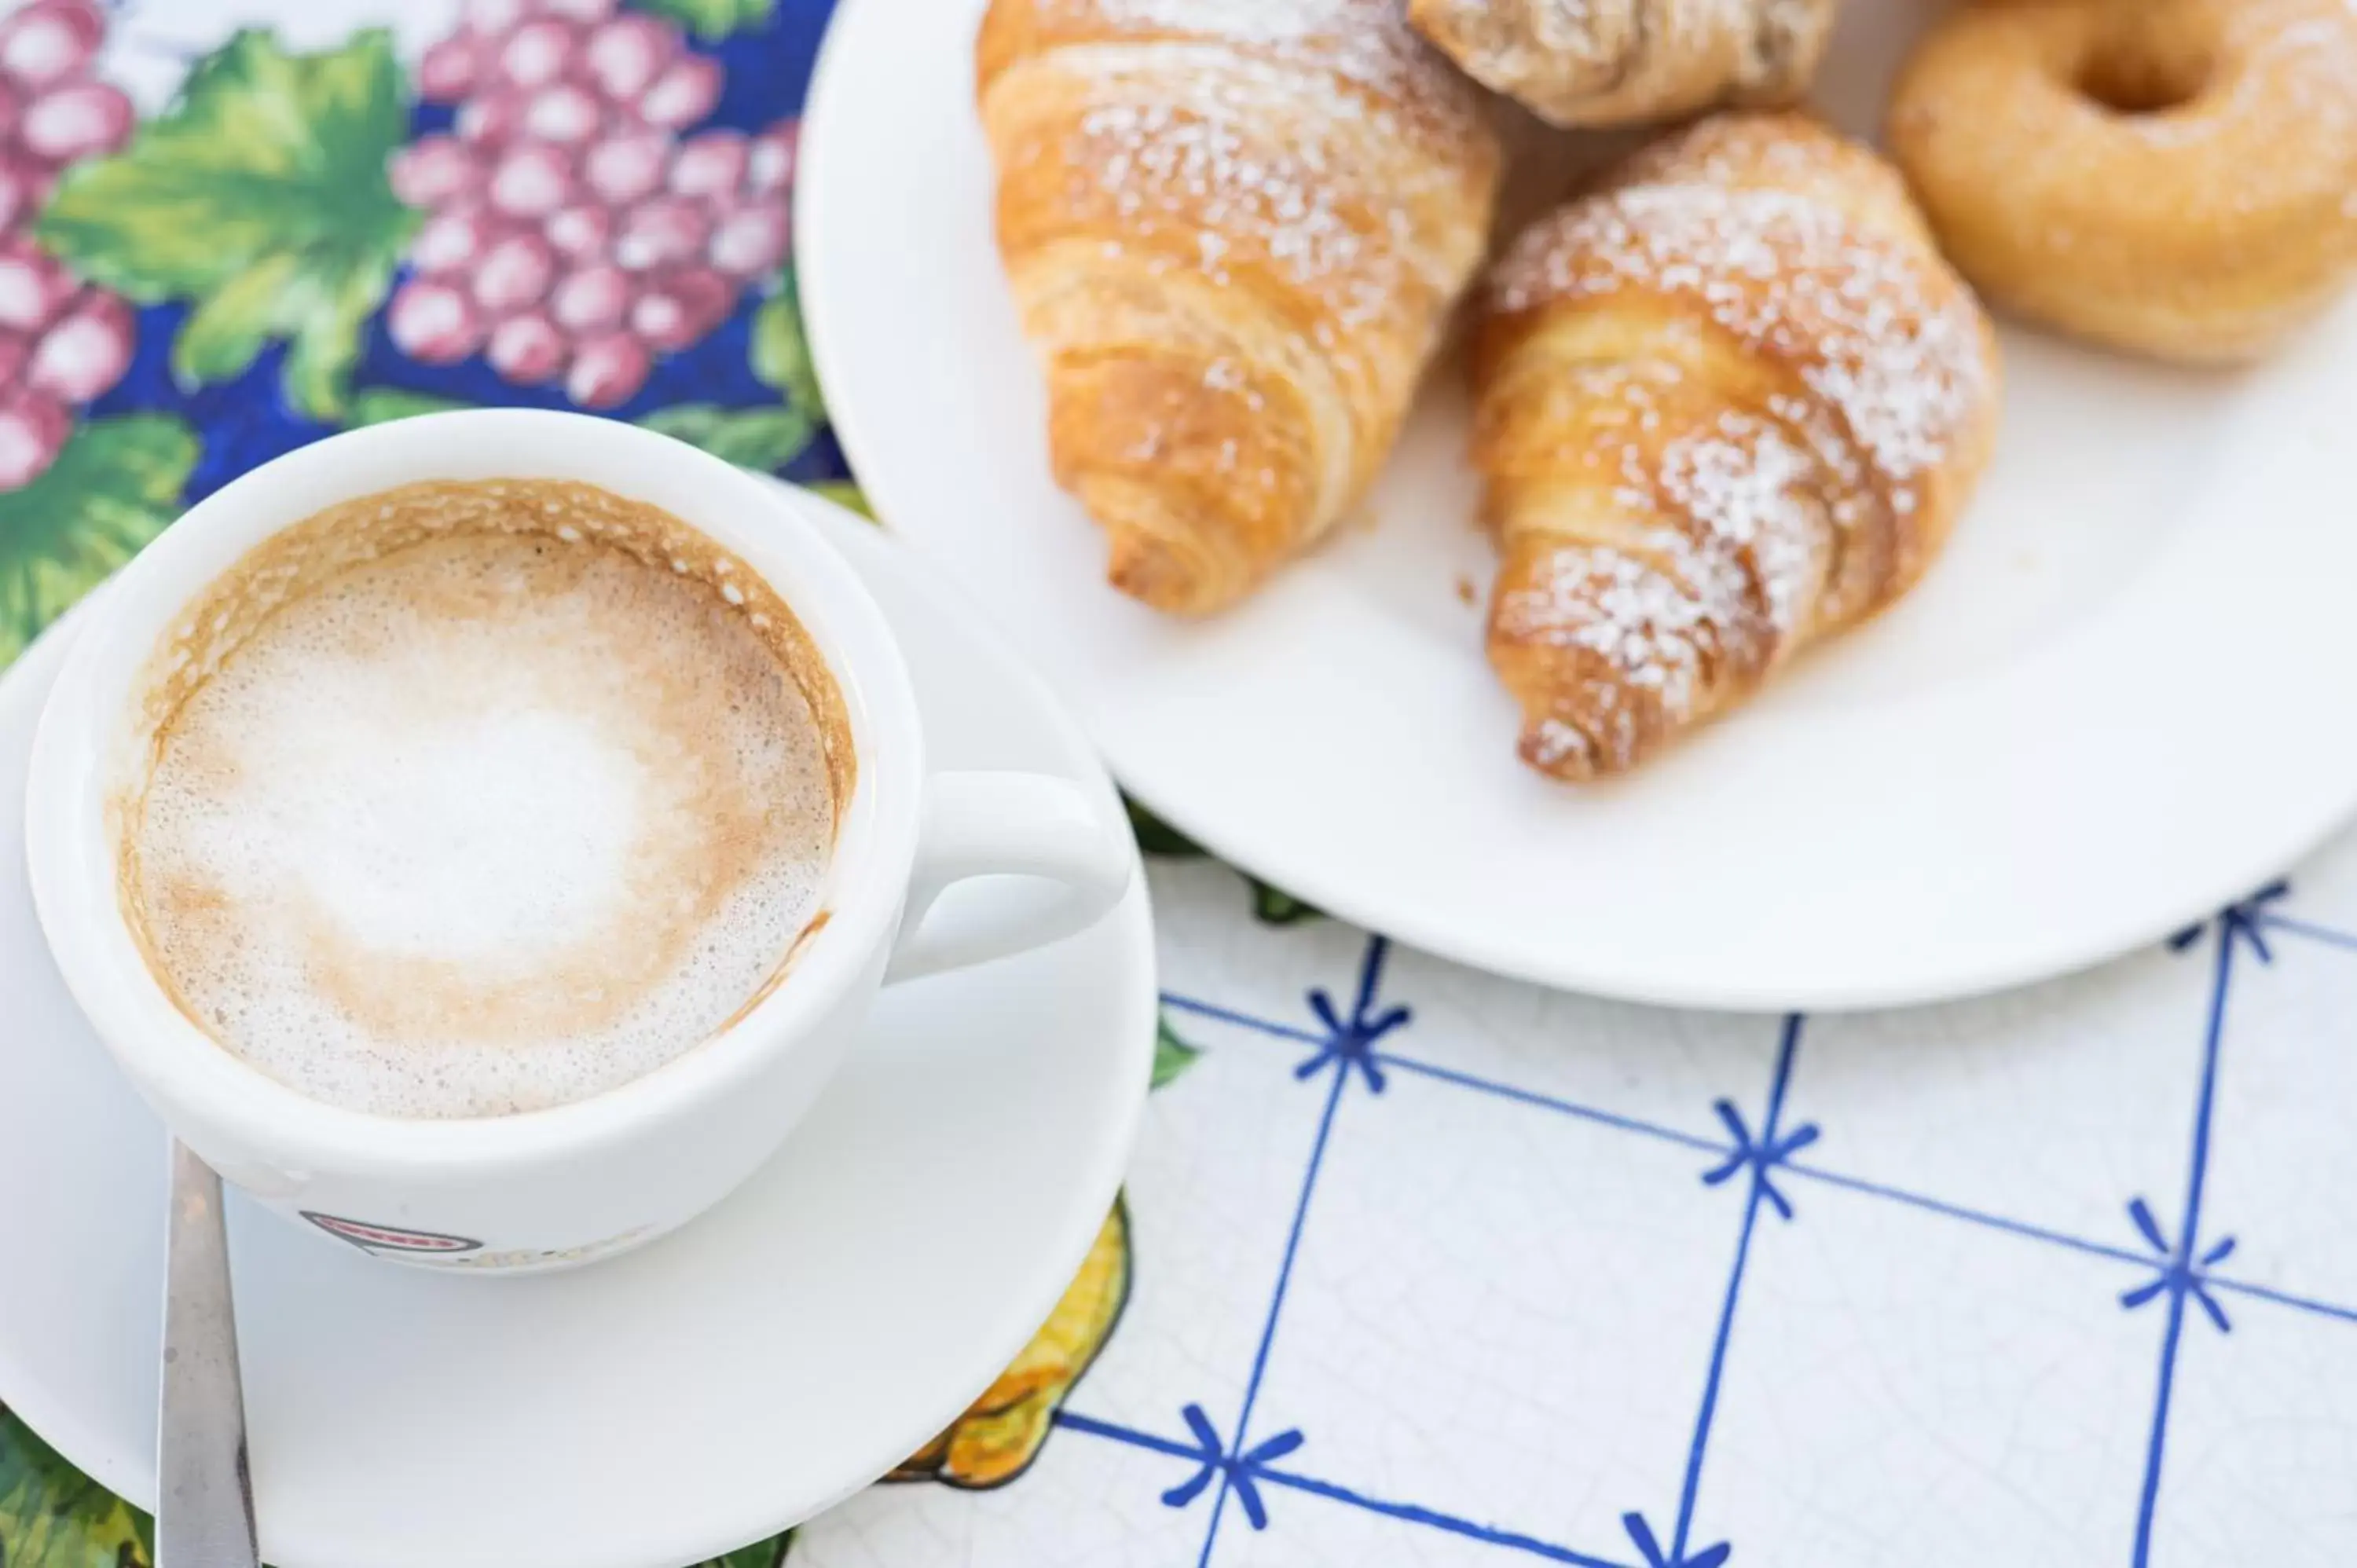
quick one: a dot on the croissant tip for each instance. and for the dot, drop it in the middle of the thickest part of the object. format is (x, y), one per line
(1150, 570)
(1558, 749)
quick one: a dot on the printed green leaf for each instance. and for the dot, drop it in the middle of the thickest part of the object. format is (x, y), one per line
(53, 1516)
(223, 335)
(326, 320)
(711, 19)
(1156, 836)
(380, 405)
(780, 353)
(1271, 906)
(767, 1553)
(1172, 1056)
(766, 439)
(116, 485)
(1275, 906)
(846, 494)
(763, 438)
(260, 197)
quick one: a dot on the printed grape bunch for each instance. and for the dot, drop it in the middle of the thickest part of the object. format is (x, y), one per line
(63, 341)
(573, 233)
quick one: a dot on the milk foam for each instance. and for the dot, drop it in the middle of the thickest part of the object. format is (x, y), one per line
(492, 821)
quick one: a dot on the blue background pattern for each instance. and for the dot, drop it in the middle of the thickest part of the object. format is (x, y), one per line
(245, 421)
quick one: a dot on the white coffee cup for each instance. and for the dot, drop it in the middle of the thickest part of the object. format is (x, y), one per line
(550, 1187)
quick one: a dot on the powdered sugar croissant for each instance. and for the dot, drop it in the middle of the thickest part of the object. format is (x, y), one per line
(1729, 405)
(1234, 229)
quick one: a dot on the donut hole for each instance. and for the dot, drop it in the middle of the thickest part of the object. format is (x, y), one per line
(2129, 83)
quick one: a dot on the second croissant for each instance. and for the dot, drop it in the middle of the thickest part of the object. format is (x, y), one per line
(1730, 404)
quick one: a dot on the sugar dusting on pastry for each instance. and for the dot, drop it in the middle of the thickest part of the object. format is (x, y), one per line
(1745, 480)
(1736, 524)
(1734, 590)
(1235, 230)
(1179, 135)
(1787, 276)
(1197, 161)
(1367, 41)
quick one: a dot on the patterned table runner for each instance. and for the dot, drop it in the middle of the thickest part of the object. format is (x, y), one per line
(1414, 1266)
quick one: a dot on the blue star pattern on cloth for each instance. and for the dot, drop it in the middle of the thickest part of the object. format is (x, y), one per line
(1453, 1465)
(1430, 1268)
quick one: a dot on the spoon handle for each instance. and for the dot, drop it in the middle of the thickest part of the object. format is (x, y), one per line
(204, 1499)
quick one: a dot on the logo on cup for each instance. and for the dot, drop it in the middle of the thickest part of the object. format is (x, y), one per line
(386, 1239)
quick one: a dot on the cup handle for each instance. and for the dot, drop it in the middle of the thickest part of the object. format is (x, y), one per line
(1030, 826)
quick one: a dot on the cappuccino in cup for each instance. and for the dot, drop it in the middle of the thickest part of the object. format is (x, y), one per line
(493, 828)
(479, 797)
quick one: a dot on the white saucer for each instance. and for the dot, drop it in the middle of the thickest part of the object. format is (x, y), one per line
(2115, 706)
(709, 1391)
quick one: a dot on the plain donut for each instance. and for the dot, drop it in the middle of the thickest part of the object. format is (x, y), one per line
(2177, 177)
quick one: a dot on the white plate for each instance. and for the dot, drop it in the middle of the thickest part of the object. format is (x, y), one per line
(713, 1389)
(2125, 697)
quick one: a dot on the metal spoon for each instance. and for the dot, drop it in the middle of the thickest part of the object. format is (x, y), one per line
(204, 1494)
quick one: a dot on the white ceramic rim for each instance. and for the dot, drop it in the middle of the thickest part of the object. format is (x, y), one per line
(70, 856)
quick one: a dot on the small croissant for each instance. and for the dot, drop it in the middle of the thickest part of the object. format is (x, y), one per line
(1728, 405)
(1234, 229)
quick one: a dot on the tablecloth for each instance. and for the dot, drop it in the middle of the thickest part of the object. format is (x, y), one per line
(1414, 1266)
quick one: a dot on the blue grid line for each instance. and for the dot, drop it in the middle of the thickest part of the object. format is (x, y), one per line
(2022, 1229)
(1238, 1474)
(2180, 1266)
(1276, 1310)
(1982, 1217)
(1411, 1513)
(1762, 1164)
(2284, 1298)
(2308, 929)
(1549, 1103)
(2178, 1277)
(1371, 973)
(1242, 1020)
(1118, 1433)
(1487, 1534)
